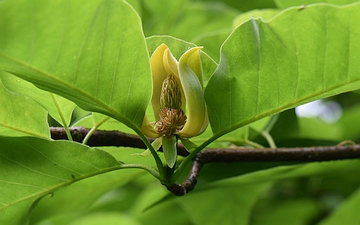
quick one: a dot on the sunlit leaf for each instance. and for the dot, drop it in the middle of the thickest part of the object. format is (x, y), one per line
(268, 67)
(32, 168)
(303, 3)
(21, 116)
(91, 52)
(88, 191)
(56, 106)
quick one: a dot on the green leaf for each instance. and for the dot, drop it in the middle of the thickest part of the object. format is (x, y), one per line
(91, 52)
(315, 128)
(56, 106)
(170, 211)
(287, 3)
(237, 137)
(347, 213)
(268, 67)
(201, 18)
(236, 204)
(294, 212)
(329, 169)
(21, 116)
(163, 15)
(264, 14)
(164, 10)
(80, 196)
(212, 42)
(246, 5)
(32, 168)
(106, 218)
(237, 195)
(169, 146)
(346, 123)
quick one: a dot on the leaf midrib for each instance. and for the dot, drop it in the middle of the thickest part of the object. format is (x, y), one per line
(74, 89)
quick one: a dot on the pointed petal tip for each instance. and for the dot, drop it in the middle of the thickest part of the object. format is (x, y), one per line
(193, 49)
(170, 63)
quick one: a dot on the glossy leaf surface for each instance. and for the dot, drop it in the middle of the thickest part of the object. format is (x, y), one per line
(268, 67)
(32, 168)
(92, 53)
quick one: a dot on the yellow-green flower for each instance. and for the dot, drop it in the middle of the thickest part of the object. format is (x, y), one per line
(177, 97)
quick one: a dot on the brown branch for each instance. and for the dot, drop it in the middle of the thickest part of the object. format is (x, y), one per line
(105, 138)
(99, 138)
(212, 155)
(308, 154)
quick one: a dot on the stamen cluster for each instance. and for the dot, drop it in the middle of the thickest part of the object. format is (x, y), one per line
(172, 117)
(171, 121)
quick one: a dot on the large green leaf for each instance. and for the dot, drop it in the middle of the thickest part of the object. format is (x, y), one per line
(21, 116)
(32, 168)
(80, 196)
(59, 108)
(91, 52)
(236, 204)
(237, 195)
(268, 67)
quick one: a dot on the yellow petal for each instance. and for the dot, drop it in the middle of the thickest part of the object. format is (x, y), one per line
(170, 63)
(206, 121)
(148, 130)
(159, 74)
(193, 91)
(194, 62)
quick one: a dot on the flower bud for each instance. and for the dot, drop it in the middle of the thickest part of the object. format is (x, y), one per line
(170, 96)
(177, 99)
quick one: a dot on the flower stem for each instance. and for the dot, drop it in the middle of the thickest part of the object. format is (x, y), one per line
(266, 131)
(159, 164)
(93, 129)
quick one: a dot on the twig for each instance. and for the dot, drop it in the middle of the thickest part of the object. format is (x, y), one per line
(308, 154)
(217, 155)
(105, 138)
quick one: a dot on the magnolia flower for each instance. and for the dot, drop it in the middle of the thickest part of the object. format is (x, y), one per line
(177, 98)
